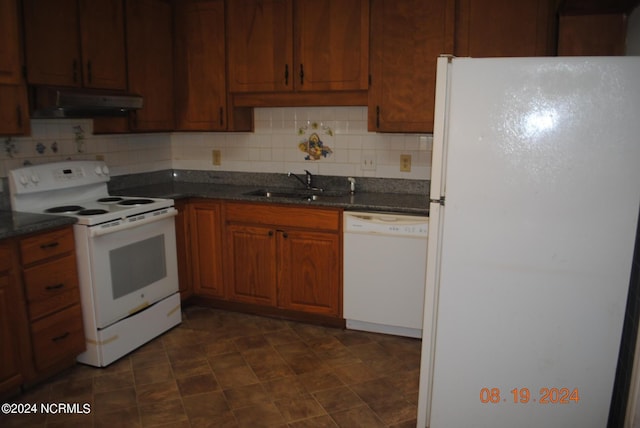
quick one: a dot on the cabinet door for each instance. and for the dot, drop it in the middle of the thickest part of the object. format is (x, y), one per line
(51, 42)
(200, 92)
(11, 322)
(150, 62)
(13, 110)
(331, 45)
(592, 35)
(504, 28)
(10, 372)
(407, 36)
(10, 60)
(260, 45)
(206, 249)
(102, 43)
(251, 267)
(309, 272)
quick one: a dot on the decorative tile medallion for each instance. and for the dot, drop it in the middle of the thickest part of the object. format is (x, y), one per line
(312, 144)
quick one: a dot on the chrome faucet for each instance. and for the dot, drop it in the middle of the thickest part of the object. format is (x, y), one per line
(308, 183)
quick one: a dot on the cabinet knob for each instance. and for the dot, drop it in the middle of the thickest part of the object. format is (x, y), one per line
(285, 235)
(286, 74)
(271, 233)
(54, 287)
(301, 74)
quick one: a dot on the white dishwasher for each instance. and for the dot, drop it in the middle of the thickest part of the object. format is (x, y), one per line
(385, 257)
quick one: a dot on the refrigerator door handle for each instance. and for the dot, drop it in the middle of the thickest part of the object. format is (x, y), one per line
(437, 201)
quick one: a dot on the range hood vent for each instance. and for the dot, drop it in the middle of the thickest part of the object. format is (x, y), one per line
(50, 102)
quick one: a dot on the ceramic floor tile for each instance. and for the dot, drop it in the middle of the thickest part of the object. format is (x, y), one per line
(223, 369)
(110, 401)
(259, 415)
(197, 384)
(338, 399)
(162, 412)
(299, 408)
(245, 396)
(159, 391)
(359, 417)
(153, 374)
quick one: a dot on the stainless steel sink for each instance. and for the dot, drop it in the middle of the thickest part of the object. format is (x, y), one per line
(310, 195)
(285, 194)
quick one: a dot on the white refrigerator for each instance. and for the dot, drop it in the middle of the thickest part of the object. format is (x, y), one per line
(535, 193)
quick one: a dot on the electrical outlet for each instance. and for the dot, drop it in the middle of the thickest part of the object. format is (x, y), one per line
(368, 163)
(405, 163)
(216, 157)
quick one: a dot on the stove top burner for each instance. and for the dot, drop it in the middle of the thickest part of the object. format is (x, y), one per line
(92, 212)
(129, 202)
(64, 209)
(110, 199)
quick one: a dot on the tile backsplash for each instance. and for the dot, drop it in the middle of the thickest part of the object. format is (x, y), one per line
(272, 147)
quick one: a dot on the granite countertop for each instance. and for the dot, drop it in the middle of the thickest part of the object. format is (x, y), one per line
(414, 204)
(384, 195)
(13, 223)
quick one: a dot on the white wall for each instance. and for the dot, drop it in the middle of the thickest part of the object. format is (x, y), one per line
(57, 140)
(273, 147)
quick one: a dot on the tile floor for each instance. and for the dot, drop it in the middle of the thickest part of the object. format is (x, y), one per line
(224, 369)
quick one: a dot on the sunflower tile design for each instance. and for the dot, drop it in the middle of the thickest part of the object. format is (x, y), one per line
(312, 143)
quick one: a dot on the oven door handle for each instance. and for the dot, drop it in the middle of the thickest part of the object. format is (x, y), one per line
(94, 232)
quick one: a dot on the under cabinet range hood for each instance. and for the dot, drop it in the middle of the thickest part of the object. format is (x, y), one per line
(52, 102)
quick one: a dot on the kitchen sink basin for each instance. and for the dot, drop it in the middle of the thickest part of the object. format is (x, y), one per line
(310, 195)
(286, 194)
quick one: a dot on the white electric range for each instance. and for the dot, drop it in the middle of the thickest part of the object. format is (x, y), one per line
(126, 253)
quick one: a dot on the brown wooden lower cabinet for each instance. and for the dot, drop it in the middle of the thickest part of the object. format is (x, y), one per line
(41, 328)
(206, 248)
(251, 263)
(309, 272)
(13, 323)
(56, 337)
(276, 260)
(287, 257)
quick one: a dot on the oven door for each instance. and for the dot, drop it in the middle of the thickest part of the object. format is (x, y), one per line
(133, 266)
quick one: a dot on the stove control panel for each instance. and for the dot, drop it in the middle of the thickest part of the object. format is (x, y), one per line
(57, 176)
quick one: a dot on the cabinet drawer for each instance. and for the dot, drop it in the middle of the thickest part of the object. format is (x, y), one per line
(51, 286)
(57, 337)
(46, 245)
(285, 216)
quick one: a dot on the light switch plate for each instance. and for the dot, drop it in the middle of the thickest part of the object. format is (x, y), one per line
(405, 163)
(216, 157)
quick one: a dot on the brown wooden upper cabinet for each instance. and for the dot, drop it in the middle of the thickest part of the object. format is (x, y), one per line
(505, 28)
(150, 62)
(592, 35)
(199, 66)
(10, 58)
(14, 118)
(75, 43)
(297, 45)
(407, 36)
